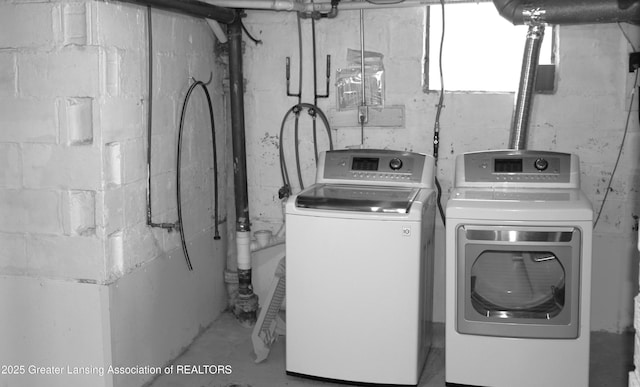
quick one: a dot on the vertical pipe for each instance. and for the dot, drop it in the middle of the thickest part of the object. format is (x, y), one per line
(362, 115)
(362, 73)
(247, 303)
(237, 125)
(524, 98)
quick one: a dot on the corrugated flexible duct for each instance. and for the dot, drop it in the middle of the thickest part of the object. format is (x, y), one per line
(536, 14)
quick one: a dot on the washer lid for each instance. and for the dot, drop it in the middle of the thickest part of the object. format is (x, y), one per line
(361, 198)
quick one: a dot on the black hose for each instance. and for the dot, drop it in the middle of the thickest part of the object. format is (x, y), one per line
(296, 109)
(439, 201)
(180, 222)
(436, 124)
(296, 141)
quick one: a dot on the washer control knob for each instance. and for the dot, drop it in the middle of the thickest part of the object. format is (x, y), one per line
(395, 164)
(541, 164)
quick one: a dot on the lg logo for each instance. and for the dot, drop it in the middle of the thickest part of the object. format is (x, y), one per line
(406, 231)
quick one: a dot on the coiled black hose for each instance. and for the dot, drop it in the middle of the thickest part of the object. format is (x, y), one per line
(180, 222)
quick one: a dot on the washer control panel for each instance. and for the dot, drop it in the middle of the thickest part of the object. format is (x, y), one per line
(518, 166)
(375, 166)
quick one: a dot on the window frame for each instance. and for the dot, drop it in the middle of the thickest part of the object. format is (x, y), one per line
(546, 76)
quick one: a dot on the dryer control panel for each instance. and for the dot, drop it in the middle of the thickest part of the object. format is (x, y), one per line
(518, 168)
(375, 167)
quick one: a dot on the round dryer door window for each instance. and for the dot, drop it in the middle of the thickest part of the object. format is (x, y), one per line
(517, 284)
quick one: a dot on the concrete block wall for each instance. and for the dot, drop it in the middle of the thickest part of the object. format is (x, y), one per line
(52, 157)
(73, 177)
(74, 131)
(586, 116)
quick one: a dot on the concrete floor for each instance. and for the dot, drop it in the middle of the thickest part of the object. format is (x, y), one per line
(227, 343)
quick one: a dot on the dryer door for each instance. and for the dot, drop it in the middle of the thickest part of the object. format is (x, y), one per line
(518, 281)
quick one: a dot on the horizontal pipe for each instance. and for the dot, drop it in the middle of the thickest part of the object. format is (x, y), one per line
(358, 5)
(566, 12)
(274, 5)
(191, 8)
(324, 5)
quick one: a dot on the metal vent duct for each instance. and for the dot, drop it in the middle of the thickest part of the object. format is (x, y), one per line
(536, 14)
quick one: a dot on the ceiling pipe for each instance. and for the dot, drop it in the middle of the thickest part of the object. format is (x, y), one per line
(273, 5)
(570, 11)
(191, 8)
(323, 5)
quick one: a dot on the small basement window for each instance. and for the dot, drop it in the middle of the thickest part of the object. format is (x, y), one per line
(482, 51)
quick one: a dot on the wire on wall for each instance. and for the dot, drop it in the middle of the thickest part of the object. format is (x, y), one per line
(436, 124)
(624, 137)
(254, 40)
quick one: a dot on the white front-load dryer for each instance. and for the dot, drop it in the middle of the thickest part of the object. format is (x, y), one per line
(518, 271)
(359, 269)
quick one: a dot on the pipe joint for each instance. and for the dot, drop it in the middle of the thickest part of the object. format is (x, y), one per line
(243, 227)
(316, 14)
(535, 31)
(284, 192)
(312, 112)
(533, 15)
(284, 5)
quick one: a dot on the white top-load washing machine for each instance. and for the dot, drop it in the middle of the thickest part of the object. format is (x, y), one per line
(518, 271)
(359, 268)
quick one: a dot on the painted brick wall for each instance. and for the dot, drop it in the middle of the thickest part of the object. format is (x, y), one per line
(73, 102)
(52, 155)
(585, 116)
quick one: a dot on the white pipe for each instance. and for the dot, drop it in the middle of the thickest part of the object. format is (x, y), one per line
(265, 239)
(217, 31)
(243, 242)
(357, 5)
(276, 5)
(325, 6)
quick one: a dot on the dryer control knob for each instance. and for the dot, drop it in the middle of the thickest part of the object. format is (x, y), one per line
(541, 164)
(395, 163)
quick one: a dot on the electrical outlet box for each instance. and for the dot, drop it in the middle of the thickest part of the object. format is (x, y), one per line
(634, 61)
